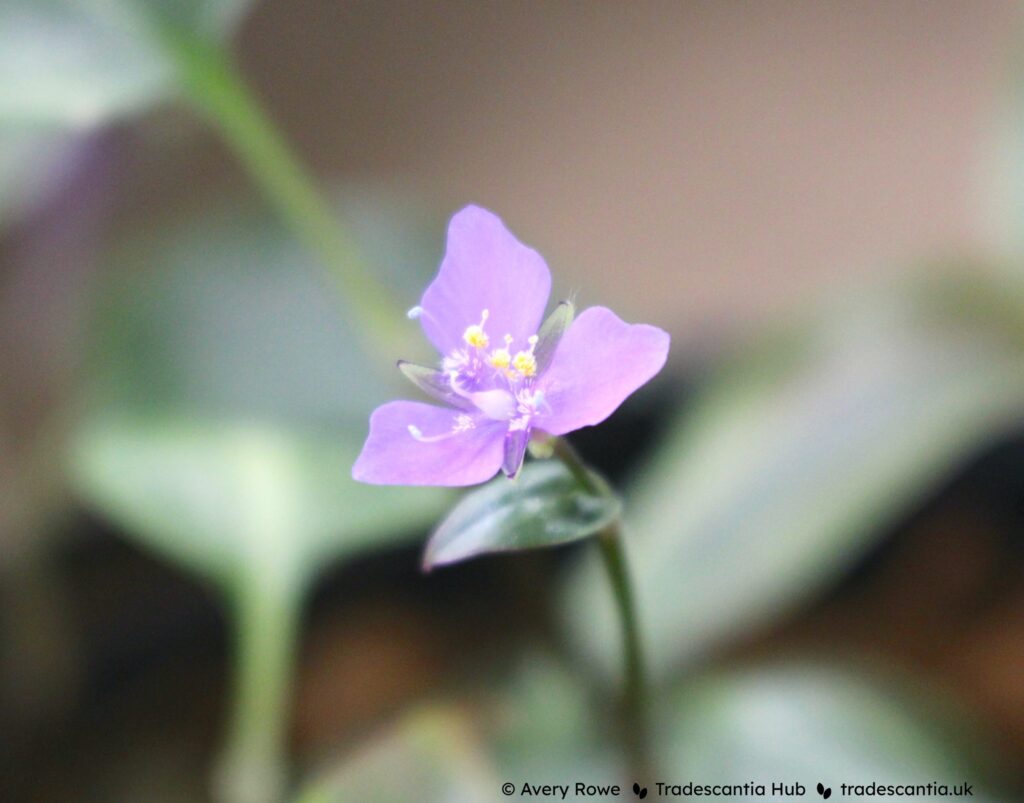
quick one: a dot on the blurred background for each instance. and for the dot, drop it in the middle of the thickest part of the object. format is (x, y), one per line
(212, 218)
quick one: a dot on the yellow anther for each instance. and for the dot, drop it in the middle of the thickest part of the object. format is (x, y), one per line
(475, 334)
(502, 358)
(524, 361)
(476, 337)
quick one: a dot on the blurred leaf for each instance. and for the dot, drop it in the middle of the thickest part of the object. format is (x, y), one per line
(229, 399)
(538, 729)
(216, 495)
(798, 455)
(789, 723)
(545, 506)
(28, 156)
(810, 724)
(546, 728)
(433, 755)
(1002, 163)
(80, 63)
(69, 66)
(224, 314)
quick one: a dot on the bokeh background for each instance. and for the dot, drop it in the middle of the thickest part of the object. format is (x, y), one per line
(821, 201)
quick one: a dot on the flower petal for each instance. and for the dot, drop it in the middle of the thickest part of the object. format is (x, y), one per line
(392, 455)
(484, 268)
(600, 361)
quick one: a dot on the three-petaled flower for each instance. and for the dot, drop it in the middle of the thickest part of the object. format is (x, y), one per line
(502, 374)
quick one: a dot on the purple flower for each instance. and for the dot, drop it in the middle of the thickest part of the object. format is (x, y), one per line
(502, 374)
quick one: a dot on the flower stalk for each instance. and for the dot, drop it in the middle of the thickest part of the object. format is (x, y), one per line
(633, 710)
(254, 767)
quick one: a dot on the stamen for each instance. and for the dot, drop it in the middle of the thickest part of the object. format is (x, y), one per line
(462, 423)
(502, 358)
(531, 404)
(455, 362)
(475, 334)
(524, 361)
(417, 312)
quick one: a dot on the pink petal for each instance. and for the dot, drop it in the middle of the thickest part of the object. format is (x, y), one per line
(485, 268)
(600, 361)
(393, 456)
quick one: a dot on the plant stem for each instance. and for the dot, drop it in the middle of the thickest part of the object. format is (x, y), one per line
(254, 768)
(593, 482)
(212, 81)
(634, 693)
(634, 702)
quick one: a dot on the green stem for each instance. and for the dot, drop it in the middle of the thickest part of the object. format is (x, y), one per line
(213, 83)
(635, 727)
(562, 449)
(634, 692)
(254, 767)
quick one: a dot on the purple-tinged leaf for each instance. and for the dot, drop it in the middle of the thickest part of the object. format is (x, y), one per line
(546, 506)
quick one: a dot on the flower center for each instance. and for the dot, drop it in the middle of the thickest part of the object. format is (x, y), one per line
(498, 383)
(524, 363)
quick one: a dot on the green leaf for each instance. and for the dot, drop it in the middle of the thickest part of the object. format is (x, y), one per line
(433, 755)
(229, 398)
(809, 724)
(796, 458)
(791, 723)
(75, 64)
(547, 727)
(224, 314)
(545, 506)
(218, 496)
(70, 66)
(537, 729)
